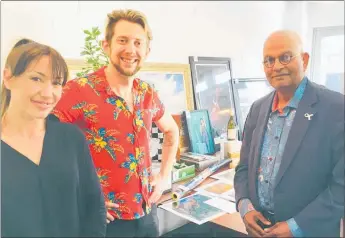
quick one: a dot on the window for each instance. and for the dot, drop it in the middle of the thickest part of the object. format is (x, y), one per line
(247, 91)
(328, 57)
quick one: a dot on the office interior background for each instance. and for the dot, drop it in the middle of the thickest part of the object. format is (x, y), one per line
(230, 29)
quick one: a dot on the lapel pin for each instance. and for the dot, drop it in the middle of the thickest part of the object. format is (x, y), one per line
(307, 115)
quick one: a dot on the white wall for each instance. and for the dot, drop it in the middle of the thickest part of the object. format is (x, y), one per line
(180, 29)
(305, 16)
(324, 14)
(296, 18)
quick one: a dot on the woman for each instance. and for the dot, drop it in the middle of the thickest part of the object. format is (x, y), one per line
(49, 184)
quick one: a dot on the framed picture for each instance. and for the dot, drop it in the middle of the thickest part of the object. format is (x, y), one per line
(247, 91)
(173, 84)
(213, 91)
(199, 131)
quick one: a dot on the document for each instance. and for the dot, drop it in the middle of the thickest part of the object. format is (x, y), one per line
(224, 205)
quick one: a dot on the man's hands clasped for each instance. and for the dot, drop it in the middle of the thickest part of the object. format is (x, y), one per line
(252, 220)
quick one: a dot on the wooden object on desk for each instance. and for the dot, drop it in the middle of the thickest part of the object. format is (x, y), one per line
(232, 221)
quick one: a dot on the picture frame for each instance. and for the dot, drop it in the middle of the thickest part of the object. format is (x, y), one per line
(173, 84)
(200, 131)
(213, 90)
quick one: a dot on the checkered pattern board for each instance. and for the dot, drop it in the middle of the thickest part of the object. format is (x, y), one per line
(156, 143)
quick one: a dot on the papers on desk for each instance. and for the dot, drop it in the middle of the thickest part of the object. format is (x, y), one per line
(227, 206)
(227, 175)
(194, 208)
(209, 202)
(219, 188)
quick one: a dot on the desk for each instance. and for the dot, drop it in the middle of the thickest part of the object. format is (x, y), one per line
(230, 221)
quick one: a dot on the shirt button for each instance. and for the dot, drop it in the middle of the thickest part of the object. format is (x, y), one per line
(276, 137)
(266, 181)
(267, 203)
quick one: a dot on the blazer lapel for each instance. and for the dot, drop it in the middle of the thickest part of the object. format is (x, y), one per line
(298, 129)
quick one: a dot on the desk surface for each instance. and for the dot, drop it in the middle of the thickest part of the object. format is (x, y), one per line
(231, 221)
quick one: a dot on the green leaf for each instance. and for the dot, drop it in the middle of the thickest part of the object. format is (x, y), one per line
(84, 52)
(87, 32)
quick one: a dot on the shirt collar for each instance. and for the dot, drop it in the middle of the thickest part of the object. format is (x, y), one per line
(100, 80)
(293, 103)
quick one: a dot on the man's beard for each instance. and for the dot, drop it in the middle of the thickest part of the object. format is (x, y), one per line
(121, 71)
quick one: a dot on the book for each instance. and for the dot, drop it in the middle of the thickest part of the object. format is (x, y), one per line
(181, 171)
(199, 131)
(183, 139)
(194, 156)
(184, 136)
(200, 165)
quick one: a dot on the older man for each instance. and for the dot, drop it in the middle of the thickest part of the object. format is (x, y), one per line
(290, 178)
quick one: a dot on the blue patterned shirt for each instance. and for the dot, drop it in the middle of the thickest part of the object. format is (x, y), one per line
(276, 135)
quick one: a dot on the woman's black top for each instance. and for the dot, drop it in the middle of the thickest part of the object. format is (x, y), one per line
(60, 197)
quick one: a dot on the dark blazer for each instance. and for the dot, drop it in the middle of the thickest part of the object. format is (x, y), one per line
(309, 186)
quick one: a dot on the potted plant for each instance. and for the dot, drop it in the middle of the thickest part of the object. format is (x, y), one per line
(93, 52)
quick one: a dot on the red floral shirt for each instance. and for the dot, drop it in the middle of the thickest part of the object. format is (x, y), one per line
(118, 139)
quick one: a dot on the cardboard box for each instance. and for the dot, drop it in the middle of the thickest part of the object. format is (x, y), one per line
(182, 171)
